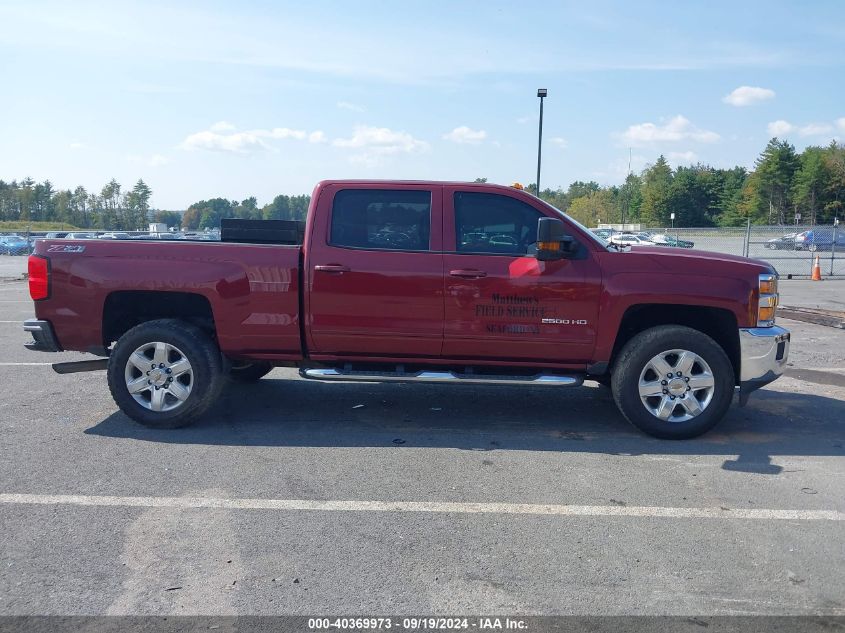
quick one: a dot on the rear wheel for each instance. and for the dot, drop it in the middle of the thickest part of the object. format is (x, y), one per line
(673, 382)
(249, 372)
(165, 373)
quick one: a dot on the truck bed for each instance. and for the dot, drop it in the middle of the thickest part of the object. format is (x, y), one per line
(252, 289)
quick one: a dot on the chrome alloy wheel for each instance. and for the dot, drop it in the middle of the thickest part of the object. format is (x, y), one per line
(159, 376)
(676, 385)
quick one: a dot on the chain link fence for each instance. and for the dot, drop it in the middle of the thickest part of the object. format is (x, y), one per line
(792, 250)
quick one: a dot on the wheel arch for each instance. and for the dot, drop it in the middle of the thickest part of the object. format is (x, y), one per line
(717, 323)
(124, 309)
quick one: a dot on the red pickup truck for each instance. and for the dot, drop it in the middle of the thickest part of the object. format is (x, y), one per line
(446, 282)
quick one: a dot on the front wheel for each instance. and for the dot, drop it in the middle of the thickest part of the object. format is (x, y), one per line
(165, 373)
(673, 382)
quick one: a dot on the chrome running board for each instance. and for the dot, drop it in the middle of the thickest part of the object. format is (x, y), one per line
(440, 377)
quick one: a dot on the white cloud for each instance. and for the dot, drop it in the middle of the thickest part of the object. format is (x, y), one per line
(222, 126)
(353, 107)
(236, 142)
(780, 128)
(785, 128)
(678, 128)
(464, 134)
(748, 95)
(815, 129)
(840, 123)
(317, 136)
(157, 160)
(77, 145)
(377, 142)
(559, 141)
(682, 157)
(526, 119)
(223, 137)
(283, 132)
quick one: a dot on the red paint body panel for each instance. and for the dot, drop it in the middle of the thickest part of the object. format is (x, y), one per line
(386, 302)
(392, 305)
(500, 315)
(253, 290)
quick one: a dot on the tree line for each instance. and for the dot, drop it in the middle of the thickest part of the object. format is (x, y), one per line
(783, 184)
(111, 208)
(208, 213)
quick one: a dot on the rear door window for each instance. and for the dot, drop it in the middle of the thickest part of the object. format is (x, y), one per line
(381, 219)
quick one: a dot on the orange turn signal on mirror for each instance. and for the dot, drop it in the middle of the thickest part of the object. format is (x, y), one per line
(548, 246)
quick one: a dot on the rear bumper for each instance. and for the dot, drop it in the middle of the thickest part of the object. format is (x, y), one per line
(763, 355)
(43, 337)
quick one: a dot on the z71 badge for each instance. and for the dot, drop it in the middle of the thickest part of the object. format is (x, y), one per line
(66, 248)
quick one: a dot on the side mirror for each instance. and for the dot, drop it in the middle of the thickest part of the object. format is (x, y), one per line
(552, 241)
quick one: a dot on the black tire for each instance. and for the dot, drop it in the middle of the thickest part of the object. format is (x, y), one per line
(206, 365)
(635, 356)
(249, 372)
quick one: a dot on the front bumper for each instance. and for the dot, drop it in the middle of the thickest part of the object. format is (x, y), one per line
(763, 355)
(43, 337)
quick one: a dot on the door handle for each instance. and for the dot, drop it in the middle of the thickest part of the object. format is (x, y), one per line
(332, 268)
(468, 273)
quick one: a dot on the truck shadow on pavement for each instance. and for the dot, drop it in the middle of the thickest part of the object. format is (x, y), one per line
(299, 413)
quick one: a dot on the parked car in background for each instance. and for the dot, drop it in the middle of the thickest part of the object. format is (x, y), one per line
(785, 242)
(629, 239)
(661, 239)
(603, 233)
(80, 236)
(115, 235)
(55, 235)
(819, 239)
(15, 245)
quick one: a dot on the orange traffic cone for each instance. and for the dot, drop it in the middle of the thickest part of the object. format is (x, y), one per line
(817, 270)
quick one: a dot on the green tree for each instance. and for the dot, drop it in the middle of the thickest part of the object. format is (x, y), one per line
(137, 207)
(808, 183)
(775, 168)
(594, 208)
(110, 215)
(657, 181)
(170, 218)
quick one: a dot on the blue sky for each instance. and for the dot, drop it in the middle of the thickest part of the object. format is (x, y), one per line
(204, 99)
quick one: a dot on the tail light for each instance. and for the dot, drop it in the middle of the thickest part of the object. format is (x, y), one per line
(39, 277)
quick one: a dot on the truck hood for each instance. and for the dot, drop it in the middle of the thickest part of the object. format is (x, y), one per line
(684, 260)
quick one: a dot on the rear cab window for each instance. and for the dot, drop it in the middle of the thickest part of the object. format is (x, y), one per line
(381, 219)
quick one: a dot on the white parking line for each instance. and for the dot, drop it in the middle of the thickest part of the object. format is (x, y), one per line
(186, 503)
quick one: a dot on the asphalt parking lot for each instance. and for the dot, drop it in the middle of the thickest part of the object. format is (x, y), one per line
(295, 497)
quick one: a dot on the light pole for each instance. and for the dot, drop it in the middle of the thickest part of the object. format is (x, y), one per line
(541, 92)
